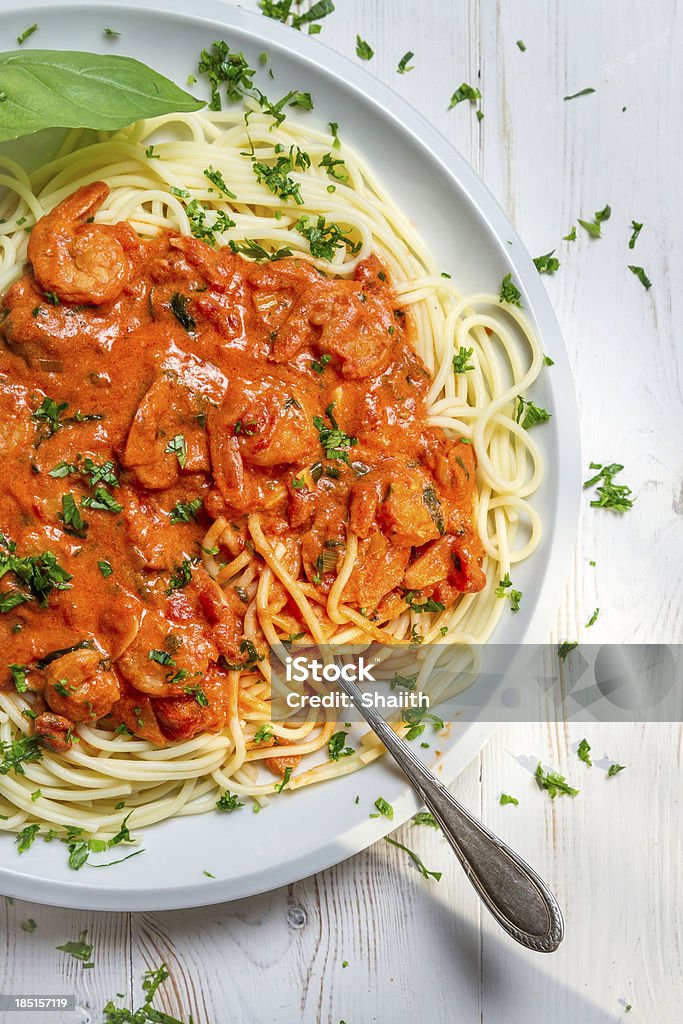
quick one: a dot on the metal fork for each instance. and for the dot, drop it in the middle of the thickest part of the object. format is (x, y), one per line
(520, 901)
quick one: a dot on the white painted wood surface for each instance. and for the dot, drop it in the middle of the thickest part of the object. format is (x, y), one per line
(418, 949)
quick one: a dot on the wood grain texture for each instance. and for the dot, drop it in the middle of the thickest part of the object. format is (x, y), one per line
(417, 949)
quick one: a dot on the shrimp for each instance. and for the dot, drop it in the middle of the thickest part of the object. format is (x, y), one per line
(80, 261)
(54, 732)
(79, 688)
(263, 423)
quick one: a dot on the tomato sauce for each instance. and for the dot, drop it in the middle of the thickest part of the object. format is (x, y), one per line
(148, 387)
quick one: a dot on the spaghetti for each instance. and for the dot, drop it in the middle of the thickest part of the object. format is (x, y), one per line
(283, 196)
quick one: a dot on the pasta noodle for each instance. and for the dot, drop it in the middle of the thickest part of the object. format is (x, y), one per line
(155, 169)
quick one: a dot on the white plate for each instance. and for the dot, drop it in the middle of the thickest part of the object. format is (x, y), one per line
(306, 831)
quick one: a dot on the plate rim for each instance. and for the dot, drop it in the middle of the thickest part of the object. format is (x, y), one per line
(562, 526)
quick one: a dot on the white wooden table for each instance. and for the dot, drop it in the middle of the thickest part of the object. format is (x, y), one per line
(418, 949)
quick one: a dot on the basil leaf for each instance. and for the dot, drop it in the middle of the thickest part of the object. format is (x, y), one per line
(71, 89)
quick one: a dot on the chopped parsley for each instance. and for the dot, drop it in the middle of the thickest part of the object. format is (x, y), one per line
(74, 523)
(363, 49)
(429, 605)
(252, 656)
(425, 818)
(614, 769)
(181, 576)
(112, 33)
(400, 682)
(332, 165)
(196, 214)
(318, 365)
(15, 754)
(178, 306)
(504, 589)
(217, 179)
(178, 447)
(105, 568)
(547, 264)
(334, 132)
(521, 45)
(583, 752)
(336, 746)
(103, 501)
(415, 859)
(49, 415)
(26, 34)
(29, 925)
(303, 100)
(79, 950)
(384, 808)
(40, 573)
(464, 92)
(225, 68)
(325, 239)
(285, 779)
(461, 363)
(509, 292)
(616, 497)
(594, 227)
(264, 733)
(146, 1013)
(404, 64)
(566, 647)
(528, 414)
(19, 674)
(593, 619)
(581, 92)
(198, 694)
(334, 441)
(435, 509)
(641, 275)
(255, 251)
(161, 658)
(417, 718)
(26, 838)
(228, 802)
(636, 228)
(571, 237)
(276, 176)
(184, 512)
(280, 10)
(505, 799)
(553, 783)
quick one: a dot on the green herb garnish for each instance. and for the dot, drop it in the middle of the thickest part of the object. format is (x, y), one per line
(642, 276)
(228, 802)
(616, 497)
(461, 362)
(404, 64)
(184, 512)
(79, 950)
(547, 264)
(636, 228)
(509, 292)
(528, 414)
(325, 239)
(581, 92)
(415, 859)
(553, 783)
(583, 752)
(336, 747)
(363, 49)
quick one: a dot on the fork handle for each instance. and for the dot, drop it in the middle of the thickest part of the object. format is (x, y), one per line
(511, 890)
